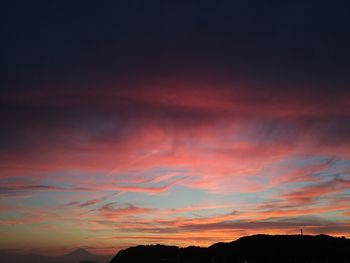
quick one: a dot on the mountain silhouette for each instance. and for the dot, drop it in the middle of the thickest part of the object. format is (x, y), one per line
(77, 256)
(80, 255)
(256, 248)
(79, 252)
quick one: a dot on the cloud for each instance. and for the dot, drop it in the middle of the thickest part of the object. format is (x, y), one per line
(307, 173)
(115, 210)
(210, 121)
(204, 234)
(18, 189)
(335, 185)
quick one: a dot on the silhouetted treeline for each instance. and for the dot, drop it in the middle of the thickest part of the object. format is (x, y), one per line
(257, 248)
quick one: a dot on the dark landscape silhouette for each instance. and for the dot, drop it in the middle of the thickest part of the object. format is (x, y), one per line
(256, 248)
(77, 256)
(249, 249)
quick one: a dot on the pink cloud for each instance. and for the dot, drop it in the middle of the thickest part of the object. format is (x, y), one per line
(325, 188)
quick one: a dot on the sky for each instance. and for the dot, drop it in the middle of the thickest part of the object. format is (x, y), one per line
(173, 122)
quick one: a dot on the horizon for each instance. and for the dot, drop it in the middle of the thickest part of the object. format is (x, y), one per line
(173, 122)
(115, 252)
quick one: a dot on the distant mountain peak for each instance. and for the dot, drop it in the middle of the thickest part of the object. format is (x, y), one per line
(79, 252)
(76, 256)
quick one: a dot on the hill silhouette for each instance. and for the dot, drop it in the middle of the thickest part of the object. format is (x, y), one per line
(256, 248)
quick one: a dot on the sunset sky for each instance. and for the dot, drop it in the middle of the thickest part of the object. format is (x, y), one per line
(173, 122)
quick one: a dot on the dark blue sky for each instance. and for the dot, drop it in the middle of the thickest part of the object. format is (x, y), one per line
(68, 39)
